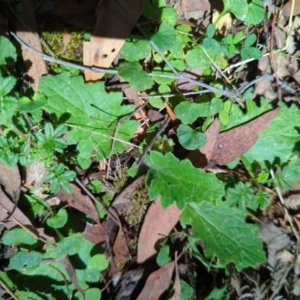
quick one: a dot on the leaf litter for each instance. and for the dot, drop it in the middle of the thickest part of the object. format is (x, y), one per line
(181, 191)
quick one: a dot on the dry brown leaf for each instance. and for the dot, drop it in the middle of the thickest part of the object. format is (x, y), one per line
(157, 283)
(224, 22)
(287, 8)
(275, 238)
(27, 31)
(212, 133)
(18, 217)
(193, 5)
(71, 272)
(11, 181)
(109, 35)
(235, 142)
(158, 223)
(6, 206)
(121, 254)
(176, 286)
(80, 202)
(186, 86)
(94, 233)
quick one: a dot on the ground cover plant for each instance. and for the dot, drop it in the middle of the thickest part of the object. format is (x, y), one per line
(150, 152)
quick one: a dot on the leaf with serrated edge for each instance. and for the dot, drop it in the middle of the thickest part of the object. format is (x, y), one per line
(178, 181)
(278, 141)
(93, 112)
(225, 234)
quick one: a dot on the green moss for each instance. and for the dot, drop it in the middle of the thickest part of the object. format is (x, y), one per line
(52, 35)
(138, 206)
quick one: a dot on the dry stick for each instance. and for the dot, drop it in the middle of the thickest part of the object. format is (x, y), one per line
(284, 206)
(272, 57)
(92, 197)
(149, 146)
(7, 289)
(110, 213)
(209, 88)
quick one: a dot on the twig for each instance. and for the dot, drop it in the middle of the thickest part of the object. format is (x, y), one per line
(272, 57)
(226, 93)
(149, 146)
(7, 289)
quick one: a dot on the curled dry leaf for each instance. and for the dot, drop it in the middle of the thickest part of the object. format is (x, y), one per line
(158, 223)
(157, 283)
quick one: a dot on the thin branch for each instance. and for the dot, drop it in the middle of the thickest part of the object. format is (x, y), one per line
(226, 93)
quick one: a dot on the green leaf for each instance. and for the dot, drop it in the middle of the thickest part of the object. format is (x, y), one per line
(48, 280)
(250, 40)
(179, 182)
(217, 293)
(28, 105)
(58, 220)
(225, 234)
(17, 236)
(23, 259)
(188, 112)
(68, 246)
(136, 49)
(233, 115)
(90, 294)
(291, 171)
(186, 291)
(189, 138)
(278, 141)
(88, 274)
(168, 15)
(8, 51)
(210, 30)
(99, 261)
(242, 196)
(6, 84)
(238, 7)
(163, 256)
(92, 114)
(95, 186)
(256, 12)
(162, 80)
(196, 58)
(165, 37)
(135, 75)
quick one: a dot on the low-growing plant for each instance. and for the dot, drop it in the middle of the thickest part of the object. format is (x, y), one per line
(67, 113)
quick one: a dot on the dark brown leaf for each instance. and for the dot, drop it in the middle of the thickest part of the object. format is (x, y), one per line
(80, 202)
(235, 142)
(71, 272)
(94, 233)
(157, 283)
